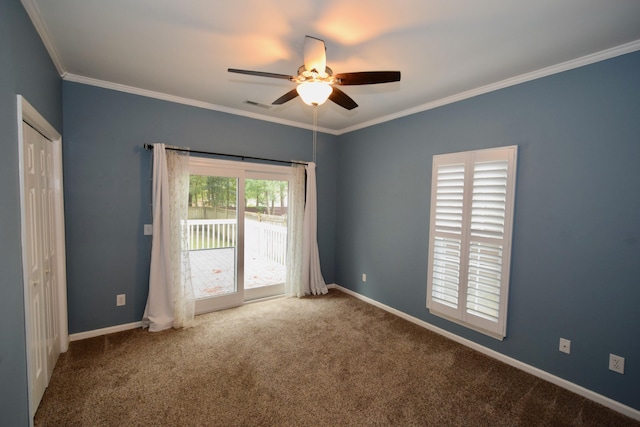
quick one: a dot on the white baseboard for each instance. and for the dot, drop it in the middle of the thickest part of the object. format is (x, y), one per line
(575, 388)
(104, 331)
(119, 328)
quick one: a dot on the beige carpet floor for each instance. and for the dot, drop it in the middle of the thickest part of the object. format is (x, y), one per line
(321, 361)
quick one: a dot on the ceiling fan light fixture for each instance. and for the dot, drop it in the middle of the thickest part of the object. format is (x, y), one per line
(314, 93)
(315, 87)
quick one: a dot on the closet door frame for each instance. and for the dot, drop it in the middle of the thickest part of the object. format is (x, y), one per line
(28, 114)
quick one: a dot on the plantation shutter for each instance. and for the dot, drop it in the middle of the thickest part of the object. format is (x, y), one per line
(447, 201)
(470, 237)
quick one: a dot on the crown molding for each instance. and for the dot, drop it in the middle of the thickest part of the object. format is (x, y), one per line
(544, 72)
(534, 75)
(188, 101)
(34, 13)
(41, 28)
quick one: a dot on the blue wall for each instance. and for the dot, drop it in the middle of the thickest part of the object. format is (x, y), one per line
(25, 69)
(108, 184)
(576, 243)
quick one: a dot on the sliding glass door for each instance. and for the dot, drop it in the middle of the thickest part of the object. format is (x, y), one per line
(214, 233)
(266, 209)
(237, 231)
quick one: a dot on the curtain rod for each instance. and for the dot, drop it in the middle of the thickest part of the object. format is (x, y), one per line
(289, 162)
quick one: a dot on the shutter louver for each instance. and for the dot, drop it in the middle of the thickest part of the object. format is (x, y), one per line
(450, 189)
(483, 282)
(448, 220)
(446, 272)
(487, 231)
(489, 199)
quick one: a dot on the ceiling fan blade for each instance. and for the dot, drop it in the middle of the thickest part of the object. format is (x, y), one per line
(286, 97)
(315, 55)
(261, 74)
(368, 77)
(342, 99)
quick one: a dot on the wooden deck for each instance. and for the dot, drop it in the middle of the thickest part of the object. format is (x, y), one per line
(212, 272)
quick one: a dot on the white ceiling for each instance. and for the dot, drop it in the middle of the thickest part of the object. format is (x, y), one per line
(446, 49)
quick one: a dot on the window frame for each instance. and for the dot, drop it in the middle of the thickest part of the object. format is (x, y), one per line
(452, 236)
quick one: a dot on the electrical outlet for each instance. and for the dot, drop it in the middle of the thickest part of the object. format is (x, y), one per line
(148, 229)
(616, 363)
(121, 299)
(364, 277)
(565, 345)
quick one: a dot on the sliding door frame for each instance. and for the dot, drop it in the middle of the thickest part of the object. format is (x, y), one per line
(241, 170)
(275, 289)
(233, 299)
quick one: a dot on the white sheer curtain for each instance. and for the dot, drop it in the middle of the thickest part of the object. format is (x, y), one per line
(304, 276)
(293, 281)
(171, 299)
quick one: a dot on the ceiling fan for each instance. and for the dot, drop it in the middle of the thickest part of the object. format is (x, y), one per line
(316, 81)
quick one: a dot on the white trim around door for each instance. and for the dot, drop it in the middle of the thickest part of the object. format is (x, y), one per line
(27, 115)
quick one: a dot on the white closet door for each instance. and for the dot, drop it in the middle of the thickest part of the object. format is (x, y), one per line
(52, 327)
(35, 187)
(43, 253)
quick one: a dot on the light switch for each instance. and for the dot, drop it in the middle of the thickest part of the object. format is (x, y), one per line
(148, 229)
